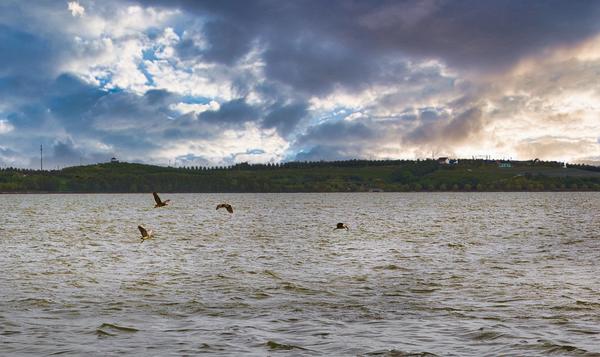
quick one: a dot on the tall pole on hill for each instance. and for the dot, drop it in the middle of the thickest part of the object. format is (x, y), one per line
(41, 158)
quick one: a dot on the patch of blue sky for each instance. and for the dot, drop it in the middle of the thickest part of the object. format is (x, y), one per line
(105, 84)
(339, 113)
(153, 32)
(115, 90)
(255, 152)
(149, 79)
(104, 80)
(149, 54)
(232, 158)
(192, 99)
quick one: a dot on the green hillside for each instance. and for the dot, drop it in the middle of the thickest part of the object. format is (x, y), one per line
(352, 175)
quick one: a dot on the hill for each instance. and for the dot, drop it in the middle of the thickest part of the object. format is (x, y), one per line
(336, 176)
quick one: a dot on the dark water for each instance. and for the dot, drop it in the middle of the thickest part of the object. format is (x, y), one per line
(453, 274)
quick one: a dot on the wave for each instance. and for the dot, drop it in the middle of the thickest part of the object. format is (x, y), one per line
(104, 329)
(282, 346)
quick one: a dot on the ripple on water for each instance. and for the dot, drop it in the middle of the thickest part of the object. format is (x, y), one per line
(275, 346)
(109, 329)
(397, 353)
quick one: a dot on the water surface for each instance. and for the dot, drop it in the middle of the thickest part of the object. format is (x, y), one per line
(448, 274)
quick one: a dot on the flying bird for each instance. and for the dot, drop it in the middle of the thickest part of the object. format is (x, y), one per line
(145, 234)
(341, 226)
(159, 203)
(227, 206)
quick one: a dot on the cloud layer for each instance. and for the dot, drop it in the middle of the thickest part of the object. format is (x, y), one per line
(213, 83)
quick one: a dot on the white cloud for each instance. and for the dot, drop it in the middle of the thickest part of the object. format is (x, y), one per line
(110, 47)
(219, 150)
(204, 80)
(5, 126)
(185, 108)
(76, 9)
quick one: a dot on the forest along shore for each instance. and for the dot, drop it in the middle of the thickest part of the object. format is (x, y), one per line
(334, 176)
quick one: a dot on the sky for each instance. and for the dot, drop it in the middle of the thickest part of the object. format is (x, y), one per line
(203, 83)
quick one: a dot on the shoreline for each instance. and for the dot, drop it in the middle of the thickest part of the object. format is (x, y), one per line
(263, 192)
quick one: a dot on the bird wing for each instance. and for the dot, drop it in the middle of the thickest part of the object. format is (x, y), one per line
(229, 208)
(143, 231)
(156, 198)
(220, 205)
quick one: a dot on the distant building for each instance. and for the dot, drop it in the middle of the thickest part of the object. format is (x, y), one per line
(443, 161)
(447, 161)
(504, 165)
(113, 160)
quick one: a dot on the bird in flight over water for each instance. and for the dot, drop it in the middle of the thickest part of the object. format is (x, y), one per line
(159, 203)
(341, 226)
(227, 206)
(145, 234)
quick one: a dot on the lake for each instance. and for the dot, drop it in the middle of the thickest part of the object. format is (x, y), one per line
(417, 274)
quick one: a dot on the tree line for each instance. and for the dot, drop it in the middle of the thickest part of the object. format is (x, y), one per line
(321, 176)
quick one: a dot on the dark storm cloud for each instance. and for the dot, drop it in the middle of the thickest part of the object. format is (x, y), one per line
(447, 130)
(159, 97)
(315, 45)
(141, 116)
(128, 123)
(20, 88)
(174, 134)
(338, 132)
(134, 123)
(228, 41)
(29, 117)
(70, 99)
(236, 111)
(24, 53)
(364, 136)
(32, 45)
(63, 152)
(317, 66)
(337, 140)
(284, 118)
(30, 102)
